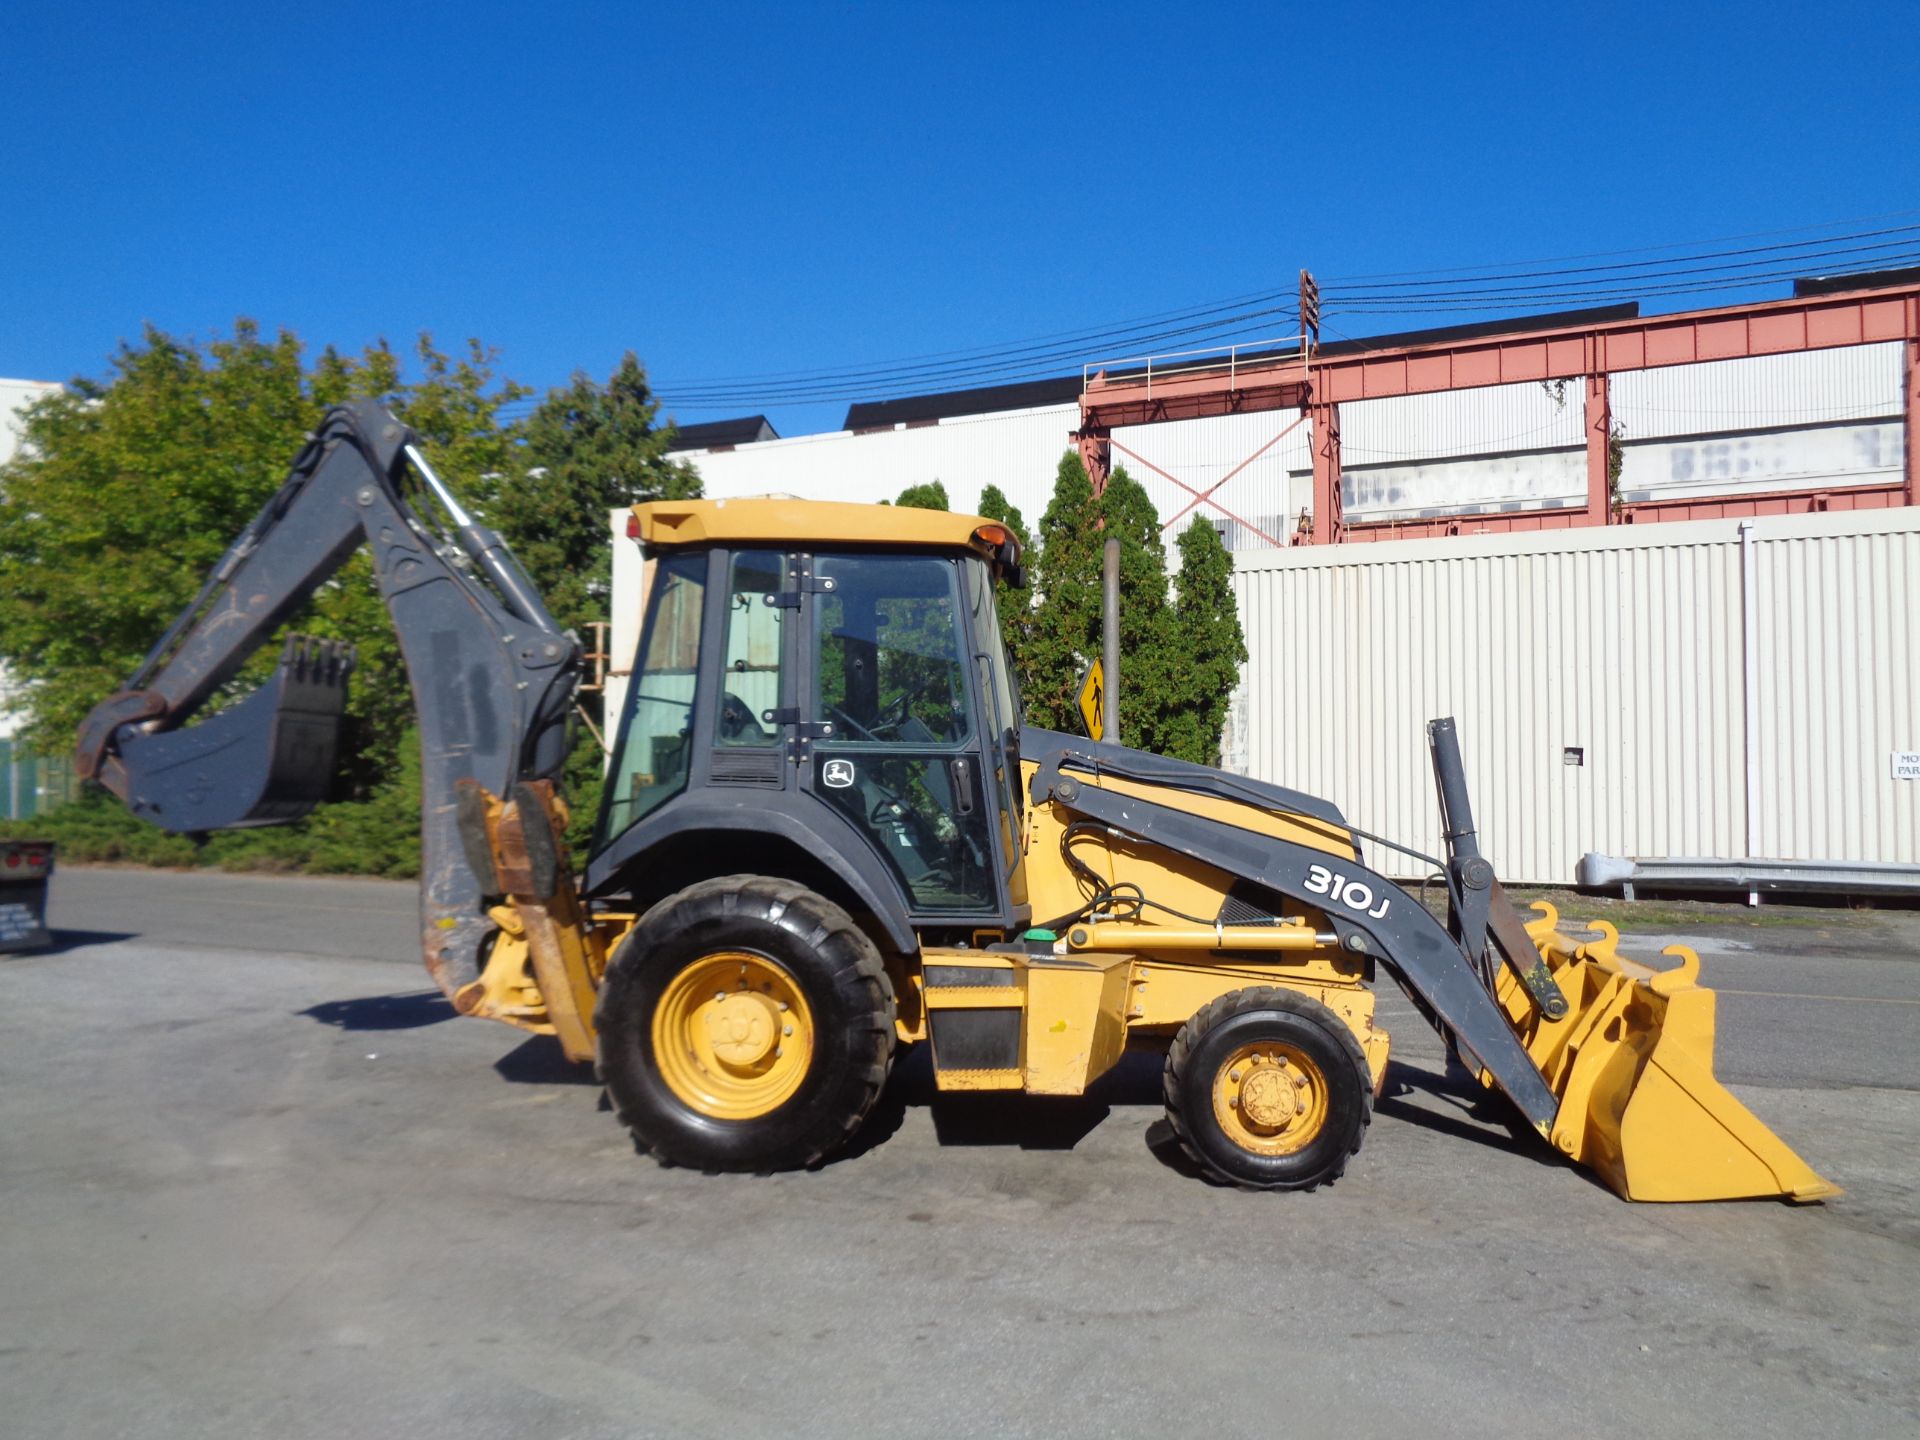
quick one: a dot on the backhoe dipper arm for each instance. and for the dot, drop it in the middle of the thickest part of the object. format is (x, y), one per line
(493, 676)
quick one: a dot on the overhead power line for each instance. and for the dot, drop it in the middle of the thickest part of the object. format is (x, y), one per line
(1908, 236)
(976, 353)
(1051, 362)
(1052, 355)
(1533, 299)
(1691, 268)
(1827, 228)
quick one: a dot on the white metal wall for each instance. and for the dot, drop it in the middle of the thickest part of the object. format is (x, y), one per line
(1015, 449)
(15, 396)
(1811, 387)
(1764, 422)
(628, 603)
(1838, 685)
(1625, 645)
(1263, 499)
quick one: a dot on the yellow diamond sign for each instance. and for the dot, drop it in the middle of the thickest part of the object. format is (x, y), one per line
(1092, 700)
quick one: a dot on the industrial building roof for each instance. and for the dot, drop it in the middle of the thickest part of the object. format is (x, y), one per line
(1834, 284)
(722, 434)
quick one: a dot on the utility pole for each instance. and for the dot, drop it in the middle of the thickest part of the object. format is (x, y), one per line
(1110, 637)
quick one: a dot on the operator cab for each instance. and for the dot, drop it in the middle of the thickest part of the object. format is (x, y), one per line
(854, 699)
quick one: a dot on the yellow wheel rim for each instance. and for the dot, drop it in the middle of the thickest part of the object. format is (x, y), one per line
(732, 1035)
(1270, 1098)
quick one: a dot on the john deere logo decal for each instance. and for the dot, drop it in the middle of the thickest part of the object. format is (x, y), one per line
(838, 774)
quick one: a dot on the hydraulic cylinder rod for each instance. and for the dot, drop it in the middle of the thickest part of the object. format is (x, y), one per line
(1108, 937)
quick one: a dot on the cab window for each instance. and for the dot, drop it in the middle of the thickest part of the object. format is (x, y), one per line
(887, 644)
(651, 756)
(751, 662)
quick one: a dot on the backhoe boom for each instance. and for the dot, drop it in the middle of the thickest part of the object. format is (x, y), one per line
(492, 675)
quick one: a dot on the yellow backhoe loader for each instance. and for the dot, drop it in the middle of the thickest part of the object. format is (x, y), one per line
(826, 835)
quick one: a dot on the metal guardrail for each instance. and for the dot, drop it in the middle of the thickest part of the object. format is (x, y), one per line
(1746, 877)
(1221, 359)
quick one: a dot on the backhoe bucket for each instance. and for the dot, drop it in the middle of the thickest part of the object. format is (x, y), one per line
(265, 761)
(1632, 1065)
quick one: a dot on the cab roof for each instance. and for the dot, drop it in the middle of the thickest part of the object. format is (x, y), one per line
(669, 523)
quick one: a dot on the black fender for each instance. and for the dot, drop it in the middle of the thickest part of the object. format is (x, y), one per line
(743, 824)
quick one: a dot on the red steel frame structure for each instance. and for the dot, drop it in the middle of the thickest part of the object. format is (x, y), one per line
(1316, 384)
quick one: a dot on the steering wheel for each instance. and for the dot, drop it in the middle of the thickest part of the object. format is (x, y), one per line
(894, 714)
(841, 717)
(886, 725)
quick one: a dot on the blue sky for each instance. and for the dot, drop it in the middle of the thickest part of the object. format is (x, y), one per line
(731, 190)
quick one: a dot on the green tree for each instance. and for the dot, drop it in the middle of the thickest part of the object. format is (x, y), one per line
(1206, 664)
(994, 505)
(1065, 633)
(931, 495)
(585, 450)
(1179, 657)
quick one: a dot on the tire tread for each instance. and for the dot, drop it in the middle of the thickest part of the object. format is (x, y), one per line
(831, 932)
(1258, 997)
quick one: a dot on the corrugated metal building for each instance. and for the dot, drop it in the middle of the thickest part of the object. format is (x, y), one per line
(1603, 685)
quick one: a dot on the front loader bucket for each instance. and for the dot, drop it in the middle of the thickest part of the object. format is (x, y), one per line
(1632, 1064)
(265, 761)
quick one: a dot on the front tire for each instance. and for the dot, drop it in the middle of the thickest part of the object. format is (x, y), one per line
(1267, 1089)
(745, 1024)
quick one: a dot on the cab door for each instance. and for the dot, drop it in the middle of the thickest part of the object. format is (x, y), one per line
(898, 730)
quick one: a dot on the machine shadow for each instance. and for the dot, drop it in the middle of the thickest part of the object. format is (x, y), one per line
(68, 940)
(383, 1012)
(1477, 1115)
(1001, 1118)
(539, 1060)
(1006, 1118)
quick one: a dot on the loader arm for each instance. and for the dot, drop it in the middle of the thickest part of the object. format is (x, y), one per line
(1390, 926)
(492, 675)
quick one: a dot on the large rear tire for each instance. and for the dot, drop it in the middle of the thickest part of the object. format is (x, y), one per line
(1267, 1089)
(745, 1024)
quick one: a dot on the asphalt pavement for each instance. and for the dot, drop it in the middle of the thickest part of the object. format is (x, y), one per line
(258, 1180)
